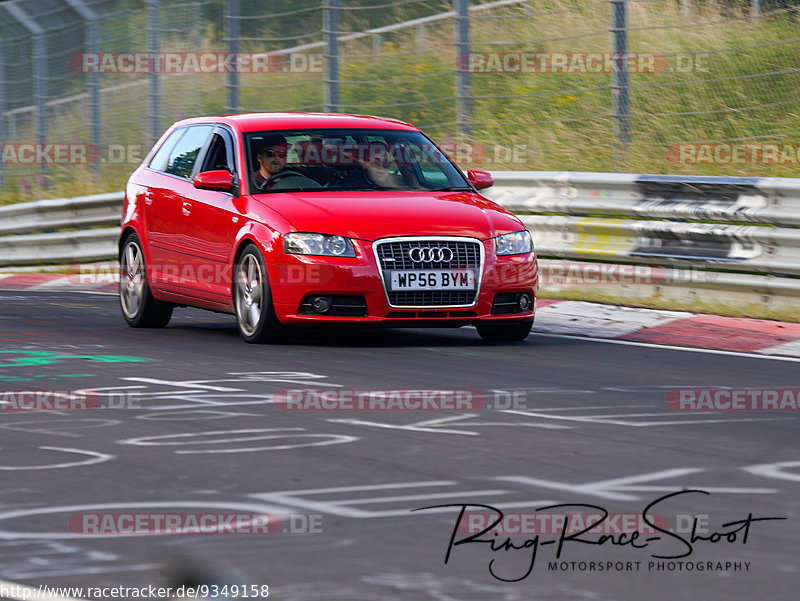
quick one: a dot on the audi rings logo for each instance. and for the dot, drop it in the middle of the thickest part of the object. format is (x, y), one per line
(434, 254)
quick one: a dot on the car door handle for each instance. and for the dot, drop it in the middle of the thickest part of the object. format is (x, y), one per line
(187, 208)
(148, 198)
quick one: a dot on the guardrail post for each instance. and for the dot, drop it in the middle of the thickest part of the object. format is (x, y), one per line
(2, 99)
(231, 9)
(686, 9)
(40, 87)
(463, 76)
(620, 86)
(153, 35)
(330, 29)
(94, 77)
(39, 70)
(420, 36)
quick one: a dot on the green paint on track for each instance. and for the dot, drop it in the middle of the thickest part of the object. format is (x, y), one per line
(32, 358)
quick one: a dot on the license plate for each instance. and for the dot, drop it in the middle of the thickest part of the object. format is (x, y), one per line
(432, 279)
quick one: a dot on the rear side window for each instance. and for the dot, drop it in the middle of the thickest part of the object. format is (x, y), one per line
(159, 161)
(184, 154)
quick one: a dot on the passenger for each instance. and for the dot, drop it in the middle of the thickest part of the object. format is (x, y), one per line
(377, 168)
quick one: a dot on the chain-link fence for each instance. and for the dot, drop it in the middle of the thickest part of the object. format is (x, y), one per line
(684, 86)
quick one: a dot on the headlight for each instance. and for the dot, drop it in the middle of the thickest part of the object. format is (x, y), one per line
(302, 243)
(517, 243)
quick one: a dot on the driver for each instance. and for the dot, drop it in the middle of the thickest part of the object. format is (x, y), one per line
(271, 160)
(272, 172)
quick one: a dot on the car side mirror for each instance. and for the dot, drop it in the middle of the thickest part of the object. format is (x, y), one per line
(220, 179)
(480, 179)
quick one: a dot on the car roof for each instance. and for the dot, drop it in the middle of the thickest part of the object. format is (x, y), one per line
(248, 122)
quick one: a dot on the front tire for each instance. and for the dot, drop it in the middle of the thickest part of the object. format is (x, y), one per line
(139, 308)
(515, 331)
(252, 299)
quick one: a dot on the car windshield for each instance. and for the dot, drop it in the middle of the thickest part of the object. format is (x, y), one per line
(348, 160)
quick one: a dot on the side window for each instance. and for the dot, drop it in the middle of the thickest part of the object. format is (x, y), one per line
(184, 154)
(217, 155)
(159, 161)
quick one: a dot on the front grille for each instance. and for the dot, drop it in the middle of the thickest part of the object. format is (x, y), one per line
(393, 255)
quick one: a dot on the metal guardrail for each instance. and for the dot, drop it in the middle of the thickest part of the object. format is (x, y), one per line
(715, 199)
(740, 232)
(62, 230)
(718, 224)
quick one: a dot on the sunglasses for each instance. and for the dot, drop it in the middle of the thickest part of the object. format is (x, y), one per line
(274, 152)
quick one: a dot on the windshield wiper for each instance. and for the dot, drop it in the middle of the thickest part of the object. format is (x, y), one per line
(452, 189)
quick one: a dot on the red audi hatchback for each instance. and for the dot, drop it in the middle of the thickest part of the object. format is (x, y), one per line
(310, 219)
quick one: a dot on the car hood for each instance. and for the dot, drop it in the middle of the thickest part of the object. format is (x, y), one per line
(371, 215)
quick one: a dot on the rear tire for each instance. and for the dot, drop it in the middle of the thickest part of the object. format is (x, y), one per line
(516, 331)
(139, 308)
(252, 300)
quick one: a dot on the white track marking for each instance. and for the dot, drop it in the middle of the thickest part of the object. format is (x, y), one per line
(421, 497)
(303, 499)
(186, 384)
(433, 425)
(256, 434)
(700, 421)
(110, 388)
(669, 347)
(194, 414)
(95, 458)
(393, 486)
(545, 409)
(47, 426)
(332, 439)
(614, 419)
(775, 470)
(158, 441)
(619, 489)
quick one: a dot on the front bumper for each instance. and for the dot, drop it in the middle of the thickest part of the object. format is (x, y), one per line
(299, 277)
